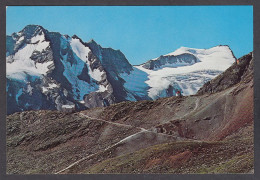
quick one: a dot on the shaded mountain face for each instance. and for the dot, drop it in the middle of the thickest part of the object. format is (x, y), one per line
(210, 132)
(48, 70)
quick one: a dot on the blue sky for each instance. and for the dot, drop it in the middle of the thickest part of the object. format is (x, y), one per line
(144, 32)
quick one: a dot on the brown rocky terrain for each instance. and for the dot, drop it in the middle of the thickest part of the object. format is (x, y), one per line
(210, 132)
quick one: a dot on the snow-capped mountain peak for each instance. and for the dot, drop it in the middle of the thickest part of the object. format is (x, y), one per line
(48, 70)
(24, 57)
(31, 30)
(188, 50)
(188, 69)
(61, 70)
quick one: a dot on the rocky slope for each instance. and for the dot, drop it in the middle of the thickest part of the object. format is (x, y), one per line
(50, 71)
(204, 133)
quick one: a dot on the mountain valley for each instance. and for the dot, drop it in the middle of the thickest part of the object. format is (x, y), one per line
(210, 131)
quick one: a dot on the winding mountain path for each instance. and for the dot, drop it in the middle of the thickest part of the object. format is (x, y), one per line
(142, 130)
(113, 123)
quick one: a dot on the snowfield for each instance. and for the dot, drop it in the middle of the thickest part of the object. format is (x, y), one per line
(189, 79)
(20, 63)
(82, 52)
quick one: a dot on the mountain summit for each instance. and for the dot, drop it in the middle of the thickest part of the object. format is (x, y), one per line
(48, 70)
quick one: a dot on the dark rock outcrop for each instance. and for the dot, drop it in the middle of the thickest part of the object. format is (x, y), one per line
(171, 61)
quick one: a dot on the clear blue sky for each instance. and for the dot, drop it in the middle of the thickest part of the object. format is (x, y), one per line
(143, 33)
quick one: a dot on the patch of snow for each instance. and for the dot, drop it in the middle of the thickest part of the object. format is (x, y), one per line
(42, 46)
(101, 88)
(82, 52)
(21, 61)
(20, 40)
(67, 106)
(82, 102)
(42, 68)
(41, 43)
(52, 85)
(27, 66)
(79, 49)
(29, 89)
(44, 89)
(37, 38)
(96, 74)
(217, 58)
(183, 50)
(22, 75)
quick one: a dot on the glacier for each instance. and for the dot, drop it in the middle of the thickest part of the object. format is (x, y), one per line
(188, 78)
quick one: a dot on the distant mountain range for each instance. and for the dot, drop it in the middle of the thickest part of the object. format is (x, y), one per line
(48, 70)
